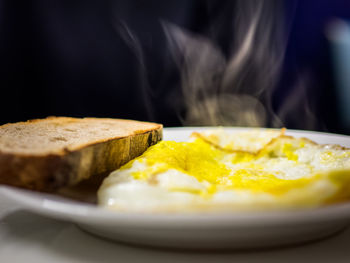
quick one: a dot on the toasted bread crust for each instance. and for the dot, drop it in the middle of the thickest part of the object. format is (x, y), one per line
(67, 167)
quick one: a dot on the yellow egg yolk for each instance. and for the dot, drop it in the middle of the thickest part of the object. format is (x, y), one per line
(205, 162)
(197, 159)
(219, 172)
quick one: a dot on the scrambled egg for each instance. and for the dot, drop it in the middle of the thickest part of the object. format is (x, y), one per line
(217, 171)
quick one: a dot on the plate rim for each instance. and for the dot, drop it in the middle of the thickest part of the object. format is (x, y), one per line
(78, 212)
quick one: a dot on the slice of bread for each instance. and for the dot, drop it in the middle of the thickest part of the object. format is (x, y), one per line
(48, 154)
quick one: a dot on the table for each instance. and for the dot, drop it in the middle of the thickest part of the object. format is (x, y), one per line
(27, 237)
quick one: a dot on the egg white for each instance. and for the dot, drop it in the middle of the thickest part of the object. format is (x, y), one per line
(146, 184)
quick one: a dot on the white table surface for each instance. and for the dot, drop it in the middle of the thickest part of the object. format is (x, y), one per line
(26, 237)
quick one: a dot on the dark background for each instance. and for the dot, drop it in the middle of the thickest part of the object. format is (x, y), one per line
(66, 58)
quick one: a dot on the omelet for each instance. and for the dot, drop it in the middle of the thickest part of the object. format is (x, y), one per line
(220, 171)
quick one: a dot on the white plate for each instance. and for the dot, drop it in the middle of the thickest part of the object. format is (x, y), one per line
(199, 231)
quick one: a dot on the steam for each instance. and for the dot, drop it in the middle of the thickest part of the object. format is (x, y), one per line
(134, 44)
(237, 89)
(297, 109)
(231, 87)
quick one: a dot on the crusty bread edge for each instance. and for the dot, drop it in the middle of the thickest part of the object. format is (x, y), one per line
(83, 145)
(53, 171)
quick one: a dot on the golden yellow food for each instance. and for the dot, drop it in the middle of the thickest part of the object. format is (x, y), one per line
(218, 171)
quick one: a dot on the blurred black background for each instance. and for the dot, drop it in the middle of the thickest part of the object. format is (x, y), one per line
(66, 58)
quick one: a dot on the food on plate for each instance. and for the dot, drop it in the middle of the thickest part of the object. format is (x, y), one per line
(220, 171)
(48, 154)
